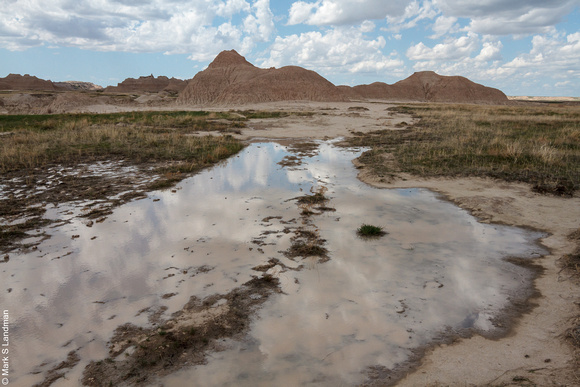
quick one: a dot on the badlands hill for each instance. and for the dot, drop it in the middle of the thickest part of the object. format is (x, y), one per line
(429, 86)
(26, 82)
(148, 84)
(231, 79)
(30, 83)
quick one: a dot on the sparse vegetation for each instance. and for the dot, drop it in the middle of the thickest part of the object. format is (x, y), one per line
(368, 230)
(539, 145)
(36, 141)
(164, 145)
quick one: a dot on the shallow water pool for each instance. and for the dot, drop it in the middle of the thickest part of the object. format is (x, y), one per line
(364, 312)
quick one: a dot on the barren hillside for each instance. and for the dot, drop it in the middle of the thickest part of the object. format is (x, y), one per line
(230, 79)
(148, 84)
(431, 87)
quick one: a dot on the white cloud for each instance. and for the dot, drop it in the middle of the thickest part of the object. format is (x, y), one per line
(341, 12)
(444, 25)
(552, 56)
(367, 26)
(231, 7)
(490, 51)
(413, 14)
(339, 50)
(200, 27)
(452, 49)
(501, 17)
(260, 25)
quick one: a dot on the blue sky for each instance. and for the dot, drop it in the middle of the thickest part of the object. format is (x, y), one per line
(523, 47)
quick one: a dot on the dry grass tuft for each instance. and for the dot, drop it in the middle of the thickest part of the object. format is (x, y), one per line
(539, 145)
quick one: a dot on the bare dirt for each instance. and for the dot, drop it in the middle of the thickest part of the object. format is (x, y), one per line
(230, 79)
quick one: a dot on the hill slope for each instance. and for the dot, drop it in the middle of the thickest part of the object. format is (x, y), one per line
(148, 84)
(231, 79)
(431, 87)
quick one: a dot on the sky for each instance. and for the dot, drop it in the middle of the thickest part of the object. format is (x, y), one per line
(522, 47)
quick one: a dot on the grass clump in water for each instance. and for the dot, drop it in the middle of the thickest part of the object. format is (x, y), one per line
(368, 230)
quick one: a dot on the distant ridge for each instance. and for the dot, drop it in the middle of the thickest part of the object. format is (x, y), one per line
(77, 85)
(428, 86)
(148, 84)
(25, 82)
(231, 79)
(30, 83)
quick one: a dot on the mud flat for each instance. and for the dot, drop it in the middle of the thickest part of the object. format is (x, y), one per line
(201, 275)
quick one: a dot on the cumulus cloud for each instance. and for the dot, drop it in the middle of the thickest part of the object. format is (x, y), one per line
(452, 49)
(491, 51)
(552, 55)
(341, 12)
(500, 17)
(444, 25)
(203, 27)
(339, 49)
(413, 14)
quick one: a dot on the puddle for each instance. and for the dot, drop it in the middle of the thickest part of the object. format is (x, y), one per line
(437, 271)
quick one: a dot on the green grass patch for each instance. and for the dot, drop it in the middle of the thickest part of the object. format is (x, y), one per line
(368, 230)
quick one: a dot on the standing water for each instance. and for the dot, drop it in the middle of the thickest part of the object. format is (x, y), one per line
(367, 310)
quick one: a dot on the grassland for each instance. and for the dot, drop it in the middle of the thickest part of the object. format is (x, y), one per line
(37, 141)
(539, 145)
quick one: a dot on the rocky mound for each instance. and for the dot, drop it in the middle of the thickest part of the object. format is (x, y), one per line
(25, 82)
(429, 86)
(231, 79)
(149, 84)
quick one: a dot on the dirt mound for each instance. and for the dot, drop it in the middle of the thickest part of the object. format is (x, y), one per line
(231, 79)
(25, 82)
(149, 84)
(431, 87)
